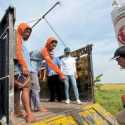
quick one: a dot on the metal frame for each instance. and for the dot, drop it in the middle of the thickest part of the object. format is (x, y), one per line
(7, 43)
(88, 51)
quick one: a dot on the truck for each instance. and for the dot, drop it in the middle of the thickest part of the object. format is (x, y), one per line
(89, 113)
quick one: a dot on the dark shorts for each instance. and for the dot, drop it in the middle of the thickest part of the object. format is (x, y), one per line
(20, 78)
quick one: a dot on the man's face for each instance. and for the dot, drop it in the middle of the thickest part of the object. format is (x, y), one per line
(67, 53)
(26, 34)
(121, 62)
(51, 56)
(52, 46)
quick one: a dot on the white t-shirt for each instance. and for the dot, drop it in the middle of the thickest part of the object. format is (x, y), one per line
(68, 65)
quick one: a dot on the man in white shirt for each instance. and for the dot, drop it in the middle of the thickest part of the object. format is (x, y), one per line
(68, 67)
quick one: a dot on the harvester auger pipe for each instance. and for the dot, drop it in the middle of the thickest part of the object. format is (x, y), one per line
(57, 3)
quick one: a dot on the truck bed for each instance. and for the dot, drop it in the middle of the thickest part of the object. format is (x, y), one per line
(54, 109)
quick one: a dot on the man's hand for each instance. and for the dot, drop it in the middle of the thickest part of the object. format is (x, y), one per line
(76, 76)
(62, 76)
(26, 83)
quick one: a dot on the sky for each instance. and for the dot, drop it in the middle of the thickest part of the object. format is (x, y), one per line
(78, 22)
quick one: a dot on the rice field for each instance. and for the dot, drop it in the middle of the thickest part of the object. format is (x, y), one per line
(113, 87)
(109, 96)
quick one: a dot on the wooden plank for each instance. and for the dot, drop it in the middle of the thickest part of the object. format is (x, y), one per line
(54, 109)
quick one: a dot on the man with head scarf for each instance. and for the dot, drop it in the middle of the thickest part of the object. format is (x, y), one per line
(23, 68)
(50, 46)
(54, 82)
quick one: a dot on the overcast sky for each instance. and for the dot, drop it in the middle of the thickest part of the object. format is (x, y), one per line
(78, 22)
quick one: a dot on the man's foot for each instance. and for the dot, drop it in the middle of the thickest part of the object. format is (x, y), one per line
(30, 118)
(41, 110)
(44, 109)
(124, 106)
(78, 102)
(67, 101)
(52, 100)
(20, 114)
(14, 120)
(59, 100)
(18, 124)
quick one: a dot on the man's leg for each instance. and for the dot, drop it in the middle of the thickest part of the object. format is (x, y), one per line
(17, 107)
(74, 85)
(35, 99)
(66, 82)
(51, 88)
(35, 89)
(26, 100)
(32, 99)
(26, 103)
(14, 120)
(58, 88)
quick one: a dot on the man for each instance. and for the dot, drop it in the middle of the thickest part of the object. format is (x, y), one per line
(54, 82)
(24, 65)
(68, 66)
(50, 46)
(23, 34)
(119, 56)
(35, 87)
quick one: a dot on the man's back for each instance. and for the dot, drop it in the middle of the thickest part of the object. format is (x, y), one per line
(36, 60)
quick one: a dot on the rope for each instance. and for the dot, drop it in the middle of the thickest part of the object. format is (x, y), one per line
(3, 32)
(51, 27)
(2, 78)
(33, 20)
(38, 20)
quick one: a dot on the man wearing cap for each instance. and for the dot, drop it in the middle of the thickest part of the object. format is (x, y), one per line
(119, 56)
(68, 66)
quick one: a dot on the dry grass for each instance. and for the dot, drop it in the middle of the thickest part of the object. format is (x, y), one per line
(113, 87)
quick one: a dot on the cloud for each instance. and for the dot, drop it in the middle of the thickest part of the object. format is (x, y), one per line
(3, 6)
(78, 23)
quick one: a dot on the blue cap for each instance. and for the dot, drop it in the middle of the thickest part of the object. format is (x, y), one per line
(67, 49)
